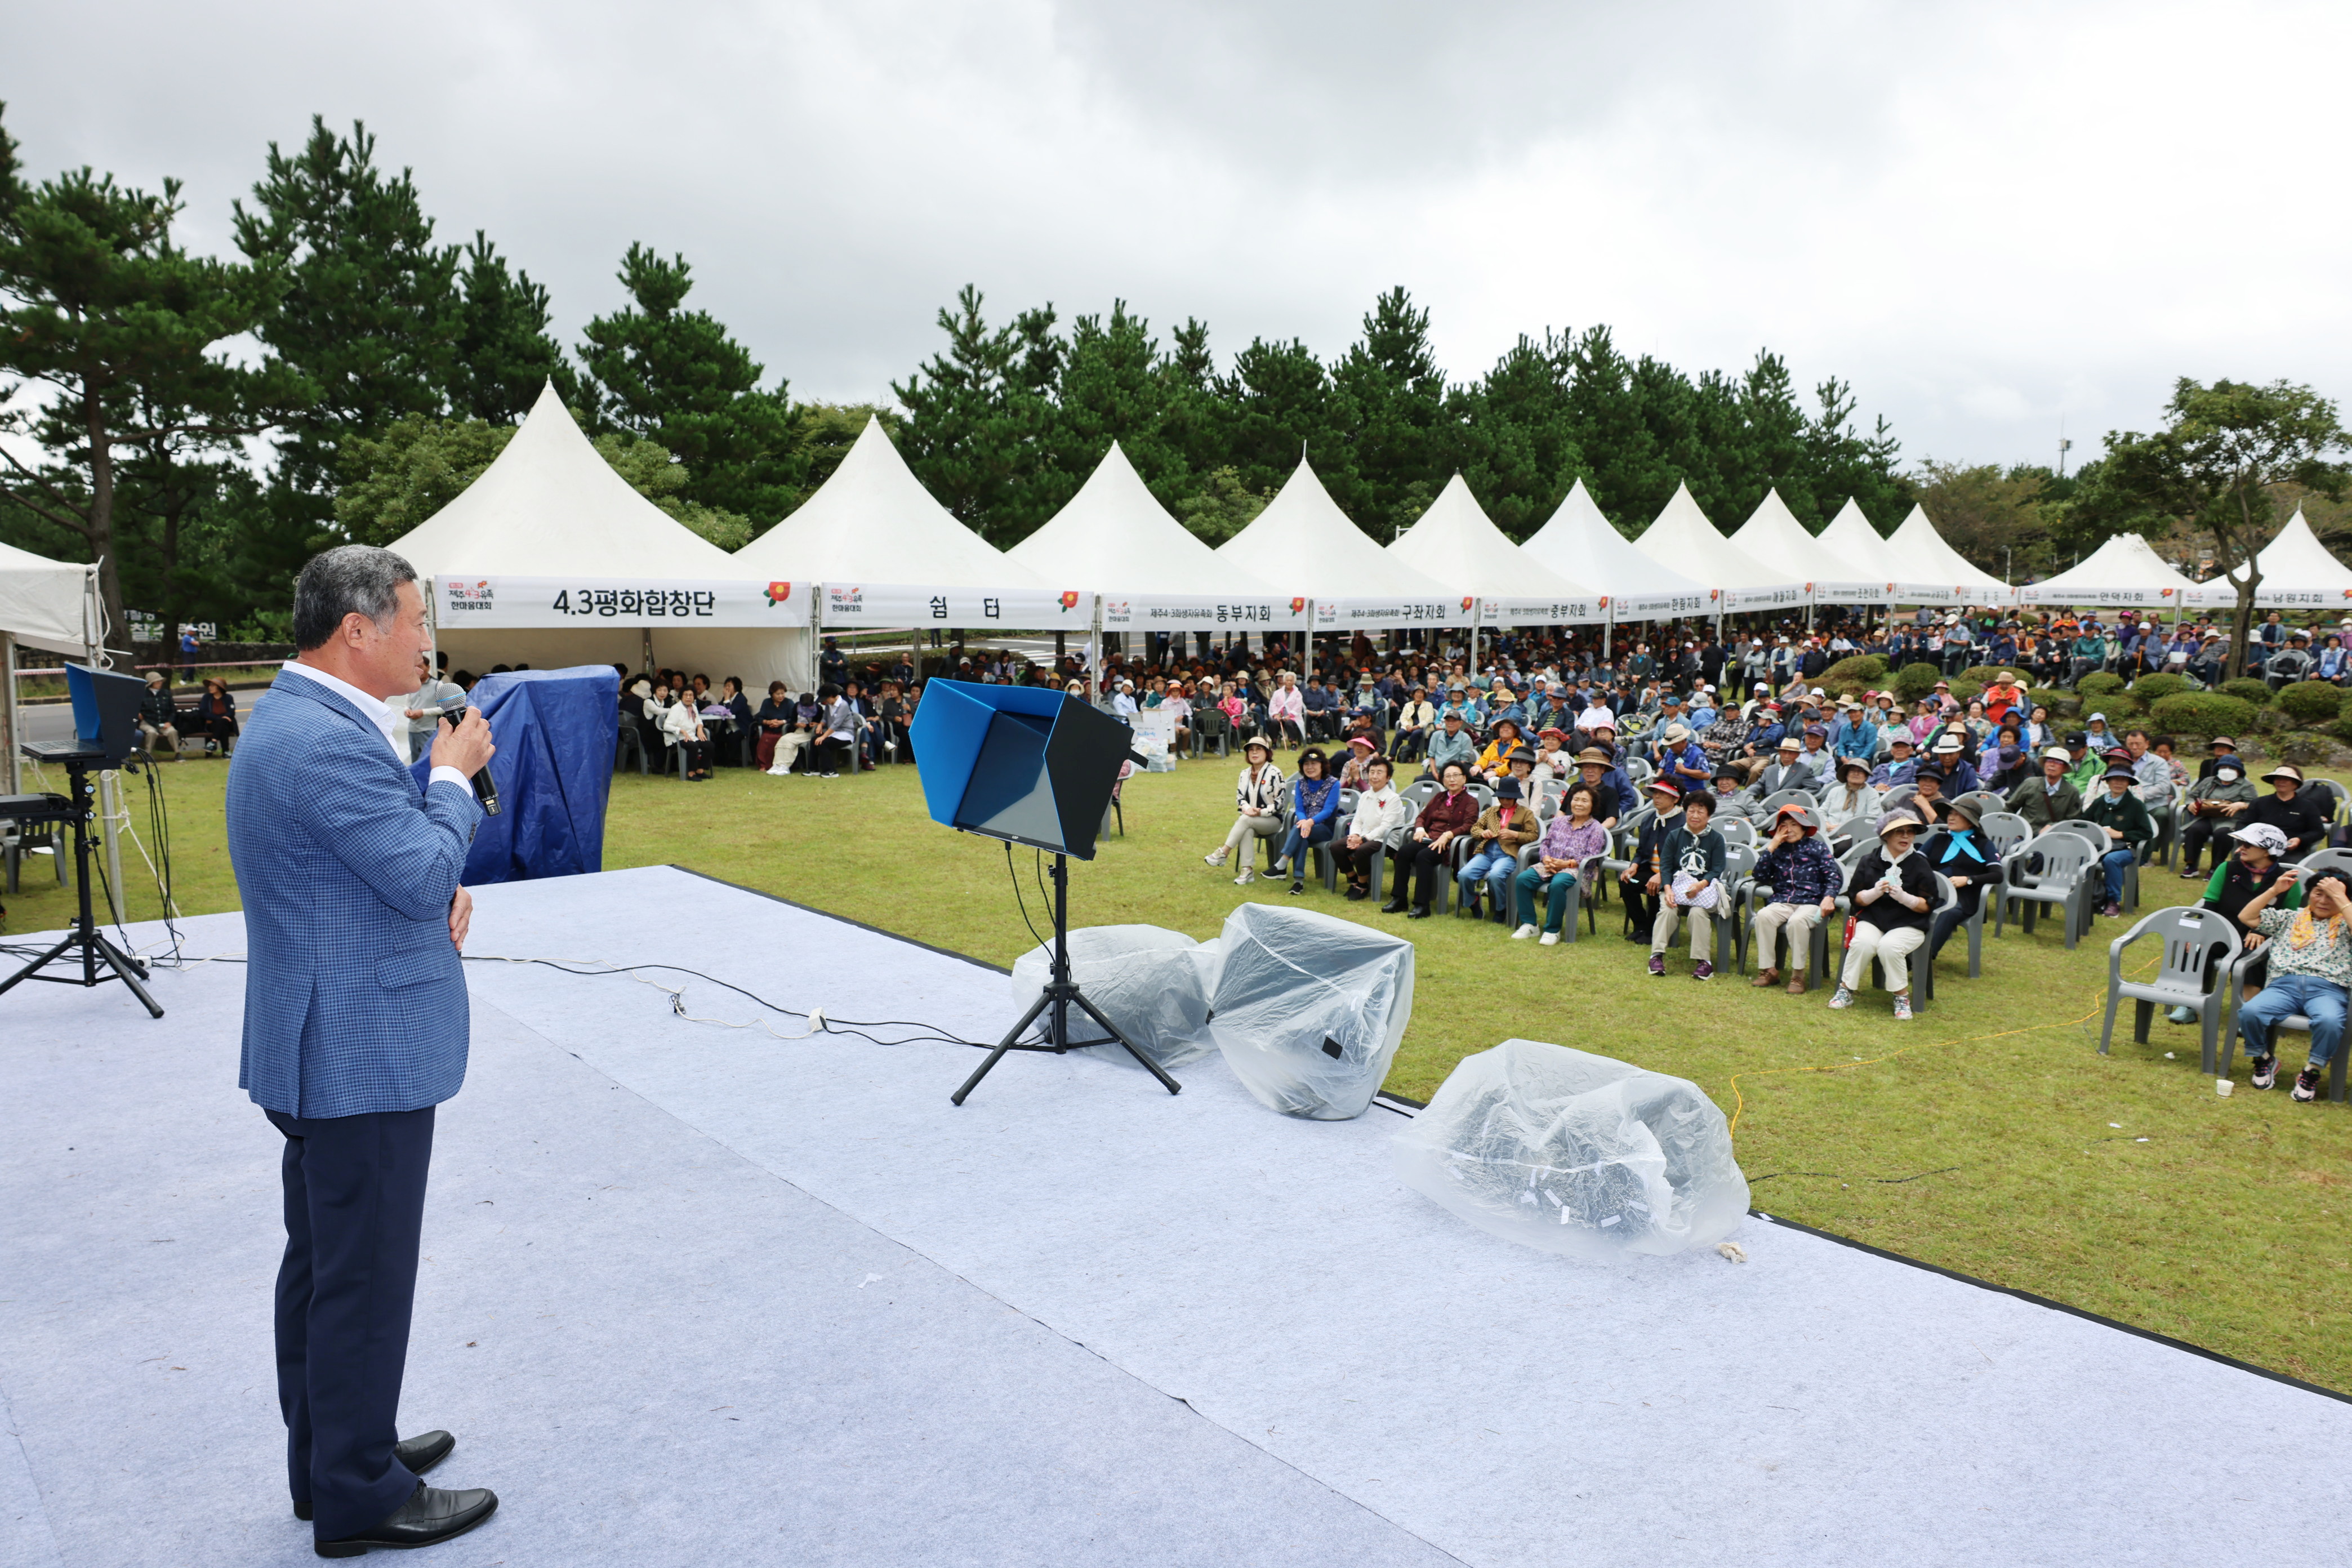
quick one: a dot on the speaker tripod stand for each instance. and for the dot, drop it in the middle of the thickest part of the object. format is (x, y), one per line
(1057, 997)
(85, 934)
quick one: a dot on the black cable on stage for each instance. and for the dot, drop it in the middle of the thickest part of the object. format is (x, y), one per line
(822, 1024)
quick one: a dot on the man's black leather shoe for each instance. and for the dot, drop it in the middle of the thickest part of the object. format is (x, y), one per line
(429, 1517)
(420, 1454)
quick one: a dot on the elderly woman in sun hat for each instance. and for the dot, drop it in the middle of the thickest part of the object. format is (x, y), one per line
(1258, 801)
(1797, 864)
(2308, 955)
(1893, 894)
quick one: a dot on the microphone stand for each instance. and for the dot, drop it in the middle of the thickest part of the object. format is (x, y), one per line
(84, 933)
(1059, 992)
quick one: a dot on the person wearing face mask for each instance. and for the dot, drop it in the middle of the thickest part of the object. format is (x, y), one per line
(2216, 803)
(1892, 892)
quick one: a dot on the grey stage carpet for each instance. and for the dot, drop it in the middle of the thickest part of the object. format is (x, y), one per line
(961, 1335)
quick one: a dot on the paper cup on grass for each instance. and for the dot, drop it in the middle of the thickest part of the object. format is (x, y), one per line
(2221, 1087)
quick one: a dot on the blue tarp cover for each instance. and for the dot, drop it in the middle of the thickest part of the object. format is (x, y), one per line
(555, 730)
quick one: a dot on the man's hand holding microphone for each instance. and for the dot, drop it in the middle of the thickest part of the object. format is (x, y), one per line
(464, 743)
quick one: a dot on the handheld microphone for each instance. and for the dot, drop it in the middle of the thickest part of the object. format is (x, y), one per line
(485, 790)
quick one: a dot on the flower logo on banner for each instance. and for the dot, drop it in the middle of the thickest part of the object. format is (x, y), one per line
(1604, 601)
(1890, 587)
(1296, 606)
(1466, 604)
(2165, 592)
(1070, 600)
(779, 592)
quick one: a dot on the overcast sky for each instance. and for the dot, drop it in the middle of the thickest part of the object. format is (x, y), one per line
(1990, 219)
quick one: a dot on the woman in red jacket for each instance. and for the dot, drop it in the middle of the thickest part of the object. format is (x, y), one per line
(1422, 861)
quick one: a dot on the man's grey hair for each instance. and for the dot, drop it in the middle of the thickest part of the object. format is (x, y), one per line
(348, 579)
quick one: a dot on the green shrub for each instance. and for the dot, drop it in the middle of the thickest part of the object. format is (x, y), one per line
(2099, 683)
(2246, 688)
(1983, 674)
(2308, 702)
(2302, 748)
(2153, 688)
(1851, 676)
(1916, 680)
(2203, 714)
(2049, 696)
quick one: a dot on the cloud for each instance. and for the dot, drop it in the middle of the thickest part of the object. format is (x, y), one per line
(1987, 218)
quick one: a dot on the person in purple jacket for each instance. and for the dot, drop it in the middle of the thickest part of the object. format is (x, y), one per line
(1805, 880)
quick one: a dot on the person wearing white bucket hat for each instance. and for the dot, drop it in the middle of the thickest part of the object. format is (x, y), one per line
(1894, 892)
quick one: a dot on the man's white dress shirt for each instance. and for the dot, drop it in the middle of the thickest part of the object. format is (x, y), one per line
(393, 725)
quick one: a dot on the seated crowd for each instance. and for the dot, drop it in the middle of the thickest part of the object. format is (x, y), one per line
(1526, 790)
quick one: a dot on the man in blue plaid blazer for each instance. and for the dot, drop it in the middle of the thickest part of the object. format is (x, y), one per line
(355, 1028)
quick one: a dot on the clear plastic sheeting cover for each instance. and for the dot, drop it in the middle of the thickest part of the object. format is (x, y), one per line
(1575, 1154)
(1311, 1008)
(1154, 984)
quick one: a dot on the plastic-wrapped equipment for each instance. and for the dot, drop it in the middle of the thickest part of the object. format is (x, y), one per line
(1311, 1008)
(1575, 1154)
(1154, 984)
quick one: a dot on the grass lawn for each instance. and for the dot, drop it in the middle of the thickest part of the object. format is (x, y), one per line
(1989, 1136)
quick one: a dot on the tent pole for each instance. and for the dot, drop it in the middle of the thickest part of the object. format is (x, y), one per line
(1094, 654)
(8, 764)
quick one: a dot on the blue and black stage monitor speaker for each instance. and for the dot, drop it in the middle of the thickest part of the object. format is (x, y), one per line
(106, 710)
(1023, 763)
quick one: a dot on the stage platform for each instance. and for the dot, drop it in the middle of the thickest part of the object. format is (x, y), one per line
(697, 1295)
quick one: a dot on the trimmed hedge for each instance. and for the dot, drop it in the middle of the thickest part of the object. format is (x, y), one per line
(2153, 688)
(1913, 681)
(2247, 689)
(2309, 701)
(2203, 713)
(2051, 698)
(1850, 677)
(2099, 683)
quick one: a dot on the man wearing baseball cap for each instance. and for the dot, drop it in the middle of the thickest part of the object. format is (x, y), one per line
(2052, 797)
(1641, 904)
(2217, 801)
(2128, 829)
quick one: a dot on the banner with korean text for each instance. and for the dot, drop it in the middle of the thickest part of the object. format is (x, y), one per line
(504, 602)
(1200, 612)
(1379, 614)
(850, 605)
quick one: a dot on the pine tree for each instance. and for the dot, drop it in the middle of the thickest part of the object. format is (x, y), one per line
(370, 314)
(113, 364)
(1389, 403)
(975, 416)
(1513, 436)
(674, 377)
(504, 354)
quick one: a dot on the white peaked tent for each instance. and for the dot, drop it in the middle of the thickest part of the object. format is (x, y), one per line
(46, 603)
(550, 559)
(1773, 537)
(889, 556)
(1579, 543)
(1851, 539)
(2123, 571)
(1682, 538)
(1455, 542)
(1302, 542)
(2298, 572)
(1154, 573)
(1924, 557)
